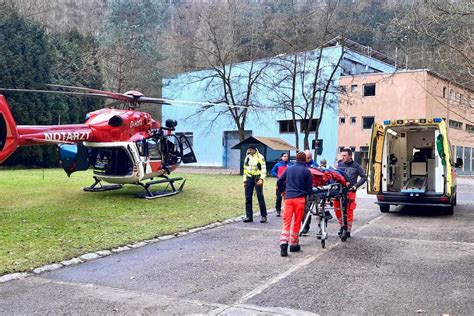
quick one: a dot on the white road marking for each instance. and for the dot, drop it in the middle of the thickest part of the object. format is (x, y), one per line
(298, 266)
(147, 299)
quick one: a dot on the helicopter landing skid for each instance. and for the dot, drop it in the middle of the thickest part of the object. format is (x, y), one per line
(101, 187)
(169, 190)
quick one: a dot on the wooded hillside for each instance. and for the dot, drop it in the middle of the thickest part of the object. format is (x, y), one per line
(132, 44)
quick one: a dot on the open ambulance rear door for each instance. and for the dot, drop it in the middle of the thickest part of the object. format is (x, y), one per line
(374, 172)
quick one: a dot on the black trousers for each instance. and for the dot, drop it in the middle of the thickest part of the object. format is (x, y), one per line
(250, 185)
(278, 201)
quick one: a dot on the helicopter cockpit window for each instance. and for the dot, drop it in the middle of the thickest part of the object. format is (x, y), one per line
(172, 150)
(154, 151)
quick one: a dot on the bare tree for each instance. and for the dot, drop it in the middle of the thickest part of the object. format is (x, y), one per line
(438, 35)
(307, 79)
(227, 33)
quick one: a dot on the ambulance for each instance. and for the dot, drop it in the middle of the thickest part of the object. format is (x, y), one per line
(410, 163)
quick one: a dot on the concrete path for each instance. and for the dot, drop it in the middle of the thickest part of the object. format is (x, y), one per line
(405, 262)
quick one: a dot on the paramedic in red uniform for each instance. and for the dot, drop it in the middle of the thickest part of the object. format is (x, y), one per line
(277, 171)
(298, 185)
(354, 171)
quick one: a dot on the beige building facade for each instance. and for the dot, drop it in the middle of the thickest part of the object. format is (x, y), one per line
(411, 94)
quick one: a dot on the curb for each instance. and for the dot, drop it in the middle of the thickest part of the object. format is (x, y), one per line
(104, 253)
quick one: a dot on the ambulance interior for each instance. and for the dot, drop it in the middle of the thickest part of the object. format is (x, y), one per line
(411, 162)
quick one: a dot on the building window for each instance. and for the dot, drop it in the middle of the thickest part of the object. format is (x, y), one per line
(460, 99)
(353, 120)
(341, 148)
(353, 149)
(354, 88)
(367, 122)
(364, 149)
(305, 123)
(189, 136)
(287, 126)
(369, 90)
(343, 89)
(470, 128)
(455, 124)
(342, 120)
(445, 92)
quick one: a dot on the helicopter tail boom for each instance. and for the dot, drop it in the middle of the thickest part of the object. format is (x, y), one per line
(9, 138)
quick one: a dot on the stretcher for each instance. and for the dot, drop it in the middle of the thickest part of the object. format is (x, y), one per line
(319, 202)
(415, 185)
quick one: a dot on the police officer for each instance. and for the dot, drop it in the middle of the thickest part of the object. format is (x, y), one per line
(354, 171)
(254, 175)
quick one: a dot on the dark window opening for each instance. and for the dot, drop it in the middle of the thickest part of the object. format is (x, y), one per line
(354, 88)
(455, 124)
(369, 90)
(353, 120)
(287, 126)
(367, 122)
(304, 124)
(364, 149)
(342, 120)
(470, 128)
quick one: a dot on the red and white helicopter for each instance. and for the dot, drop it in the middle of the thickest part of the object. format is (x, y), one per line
(124, 146)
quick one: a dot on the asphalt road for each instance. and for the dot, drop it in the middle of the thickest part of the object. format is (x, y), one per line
(408, 261)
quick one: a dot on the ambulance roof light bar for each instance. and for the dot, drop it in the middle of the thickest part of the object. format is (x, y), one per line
(412, 121)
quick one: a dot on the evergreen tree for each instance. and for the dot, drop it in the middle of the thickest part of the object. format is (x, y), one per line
(25, 62)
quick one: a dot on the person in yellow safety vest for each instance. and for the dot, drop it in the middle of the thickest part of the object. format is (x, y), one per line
(255, 171)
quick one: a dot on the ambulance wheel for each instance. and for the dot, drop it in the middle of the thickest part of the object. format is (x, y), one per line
(384, 208)
(449, 210)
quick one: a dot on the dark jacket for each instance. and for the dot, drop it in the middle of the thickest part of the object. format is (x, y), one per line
(298, 181)
(353, 170)
(279, 164)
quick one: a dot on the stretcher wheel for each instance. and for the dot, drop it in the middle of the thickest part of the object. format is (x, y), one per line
(343, 235)
(323, 243)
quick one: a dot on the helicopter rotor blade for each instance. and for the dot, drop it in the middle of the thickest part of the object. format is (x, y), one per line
(204, 103)
(125, 98)
(151, 100)
(109, 94)
(56, 92)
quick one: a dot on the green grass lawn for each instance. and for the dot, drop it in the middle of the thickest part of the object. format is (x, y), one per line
(46, 217)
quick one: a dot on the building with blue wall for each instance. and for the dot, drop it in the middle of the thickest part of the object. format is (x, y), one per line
(214, 132)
